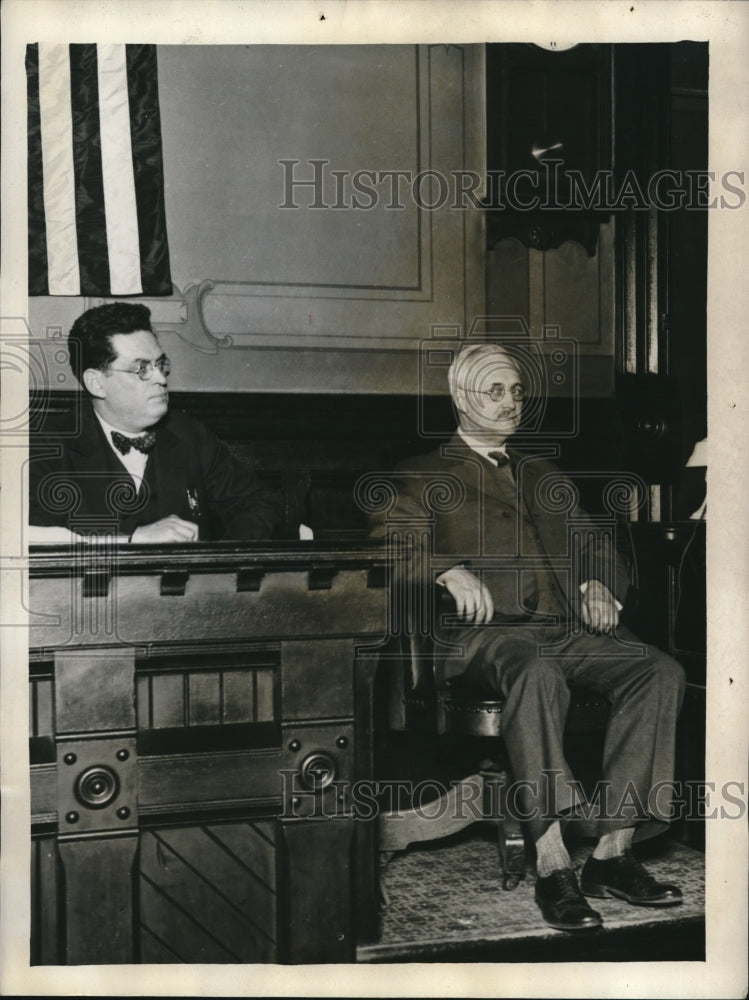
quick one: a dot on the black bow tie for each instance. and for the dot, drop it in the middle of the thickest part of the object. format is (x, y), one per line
(500, 458)
(143, 442)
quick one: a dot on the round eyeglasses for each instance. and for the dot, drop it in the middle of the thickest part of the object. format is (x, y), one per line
(496, 393)
(144, 369)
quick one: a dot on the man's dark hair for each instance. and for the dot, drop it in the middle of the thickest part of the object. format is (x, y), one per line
(89, 340)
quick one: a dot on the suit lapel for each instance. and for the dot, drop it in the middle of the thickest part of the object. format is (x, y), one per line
(99, 473)
(172, 473)
(481, 476)
(546, 526)
(91, 449)
(485, 478)
(168, 474)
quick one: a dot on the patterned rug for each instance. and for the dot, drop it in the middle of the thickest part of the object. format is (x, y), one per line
(447, 894)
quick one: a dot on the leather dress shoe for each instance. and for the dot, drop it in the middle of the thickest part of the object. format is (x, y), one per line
(562, 904)
(625, 877)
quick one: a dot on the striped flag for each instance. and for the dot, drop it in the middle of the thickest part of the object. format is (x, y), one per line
(96, 183)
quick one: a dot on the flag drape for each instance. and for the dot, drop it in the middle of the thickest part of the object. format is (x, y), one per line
(97, 223)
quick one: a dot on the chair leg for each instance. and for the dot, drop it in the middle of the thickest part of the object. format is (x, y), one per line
(511, 846)
(510, 840)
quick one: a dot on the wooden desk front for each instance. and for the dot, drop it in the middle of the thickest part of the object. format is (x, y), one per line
(198, 716)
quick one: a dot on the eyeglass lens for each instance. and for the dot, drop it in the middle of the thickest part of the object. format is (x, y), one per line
(145, 368)
(497, 392)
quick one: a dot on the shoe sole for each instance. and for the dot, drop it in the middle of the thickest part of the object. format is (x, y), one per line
(604, 891)
(575, 927)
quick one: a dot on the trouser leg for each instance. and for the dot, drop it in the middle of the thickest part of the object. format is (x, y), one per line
(645, 687)
(645, 692)
(536, 699)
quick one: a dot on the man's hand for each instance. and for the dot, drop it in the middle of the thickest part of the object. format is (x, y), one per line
(168, 529)
(472, 599)
(599, 610)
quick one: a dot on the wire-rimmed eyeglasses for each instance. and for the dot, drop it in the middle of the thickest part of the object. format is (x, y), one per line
(144, 369)
(496, 393)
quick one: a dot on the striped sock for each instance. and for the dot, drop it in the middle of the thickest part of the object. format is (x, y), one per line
(551, 854)
(614, 844)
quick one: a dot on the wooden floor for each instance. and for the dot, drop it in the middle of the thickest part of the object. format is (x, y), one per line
(445, 903)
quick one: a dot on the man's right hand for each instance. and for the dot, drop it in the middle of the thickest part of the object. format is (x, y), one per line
(473, 602)
(168, 529)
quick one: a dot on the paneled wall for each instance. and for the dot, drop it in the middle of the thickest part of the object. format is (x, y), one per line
(566, 289)
(334, 291)
(550, 114)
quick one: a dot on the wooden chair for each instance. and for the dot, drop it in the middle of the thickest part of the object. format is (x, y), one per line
(422, 702)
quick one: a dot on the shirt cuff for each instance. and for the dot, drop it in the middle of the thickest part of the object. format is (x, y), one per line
(441, 582)
(584, 587)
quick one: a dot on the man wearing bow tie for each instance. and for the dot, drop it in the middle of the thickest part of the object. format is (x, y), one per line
(533, 616)
(131, 469)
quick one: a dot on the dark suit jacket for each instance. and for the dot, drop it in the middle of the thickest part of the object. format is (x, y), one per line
(77, 481)
(528, 540)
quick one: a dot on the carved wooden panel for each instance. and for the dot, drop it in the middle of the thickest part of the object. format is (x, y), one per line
(178, 694)
(208, 893)
(176, 781)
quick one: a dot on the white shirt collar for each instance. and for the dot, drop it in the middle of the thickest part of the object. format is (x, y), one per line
(481, 446)
(108, 428)
(135, 461)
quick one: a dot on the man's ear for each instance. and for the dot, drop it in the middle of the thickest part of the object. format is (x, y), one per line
(459, 400)
(94, 381)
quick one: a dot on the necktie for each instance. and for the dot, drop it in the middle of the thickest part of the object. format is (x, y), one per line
(144, 442)
(499, 458)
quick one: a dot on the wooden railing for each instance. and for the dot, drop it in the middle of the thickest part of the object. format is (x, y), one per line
(198, 717)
